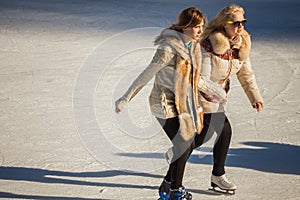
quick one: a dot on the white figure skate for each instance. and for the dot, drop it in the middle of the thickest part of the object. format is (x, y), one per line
(223, 184)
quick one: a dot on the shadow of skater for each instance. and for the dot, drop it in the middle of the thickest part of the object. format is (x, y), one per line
(50, 176)
(60, 177)
(266, 157)
(39, 197)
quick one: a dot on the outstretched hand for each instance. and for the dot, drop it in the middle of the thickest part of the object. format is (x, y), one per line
(119, 106)
(258, 106)
(117, 110)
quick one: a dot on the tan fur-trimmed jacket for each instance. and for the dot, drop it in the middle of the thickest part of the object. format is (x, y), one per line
(177, 79)
(222, 58)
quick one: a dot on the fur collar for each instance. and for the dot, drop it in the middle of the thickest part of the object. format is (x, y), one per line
(175, 40)
(220, 44)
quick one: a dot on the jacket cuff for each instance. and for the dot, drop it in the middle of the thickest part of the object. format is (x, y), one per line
(255, 97)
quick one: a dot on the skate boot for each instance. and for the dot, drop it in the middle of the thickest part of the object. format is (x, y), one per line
(223, 183)
(180, 194)
(163, 190)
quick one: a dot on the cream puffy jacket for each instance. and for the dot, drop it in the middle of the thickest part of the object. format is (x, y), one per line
(163, 68)
(223, 58)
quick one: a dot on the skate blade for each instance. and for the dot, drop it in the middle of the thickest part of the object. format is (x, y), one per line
(221, 191)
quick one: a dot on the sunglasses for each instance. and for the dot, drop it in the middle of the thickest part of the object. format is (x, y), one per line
(237, 23)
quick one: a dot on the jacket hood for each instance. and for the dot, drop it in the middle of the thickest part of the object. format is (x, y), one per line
(174, 39)
(167, 35)
(221, 43)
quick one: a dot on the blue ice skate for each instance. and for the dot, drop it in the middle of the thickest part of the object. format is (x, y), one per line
(163, 190)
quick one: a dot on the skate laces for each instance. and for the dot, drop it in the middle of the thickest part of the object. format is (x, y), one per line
(182, 193)
(225, 179)
(164, 190)
(182, 190)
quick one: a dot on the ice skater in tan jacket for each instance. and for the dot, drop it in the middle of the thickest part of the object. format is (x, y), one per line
(225, 52)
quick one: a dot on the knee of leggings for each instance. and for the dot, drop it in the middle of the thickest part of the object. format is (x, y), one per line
(227, 132)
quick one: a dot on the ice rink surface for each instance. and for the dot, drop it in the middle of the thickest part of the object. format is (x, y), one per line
(64, 63)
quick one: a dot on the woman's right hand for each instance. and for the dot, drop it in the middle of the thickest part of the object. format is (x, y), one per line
(119, 105)
(117, 110)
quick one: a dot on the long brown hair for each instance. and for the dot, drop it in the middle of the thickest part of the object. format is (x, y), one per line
(219, 21)
(189, 17)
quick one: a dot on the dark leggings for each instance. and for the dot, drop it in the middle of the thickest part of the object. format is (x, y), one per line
(216, 122)
(219, 123)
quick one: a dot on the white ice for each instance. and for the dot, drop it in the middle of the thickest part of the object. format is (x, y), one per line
(64, 63)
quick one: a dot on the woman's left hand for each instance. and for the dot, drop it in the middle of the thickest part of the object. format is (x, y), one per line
(258, 106)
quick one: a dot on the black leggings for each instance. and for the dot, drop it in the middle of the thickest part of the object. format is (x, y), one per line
(181, 149)
(216, 122)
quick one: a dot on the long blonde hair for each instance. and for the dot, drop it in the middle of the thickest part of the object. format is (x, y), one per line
(219, 21)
